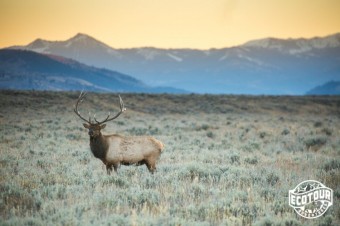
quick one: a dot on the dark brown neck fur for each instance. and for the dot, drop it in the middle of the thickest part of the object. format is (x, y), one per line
(99, 146)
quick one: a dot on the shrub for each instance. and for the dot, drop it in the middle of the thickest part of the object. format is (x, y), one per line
(252, 160)
(251, 146)
(117, 181)
(272, 178)
(17, 198)
(263, 134)
(327, 131)
(72, 136)
(235, 158)
(285, 132)
(266, 221)
(210, 134)
(268, 193)
(315, 141)
(331, 165)
(204, 127)
(202, 171)
(317, 124)
(139, 197)
(327, 221)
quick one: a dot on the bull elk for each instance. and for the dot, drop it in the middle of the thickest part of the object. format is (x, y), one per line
(115, 150)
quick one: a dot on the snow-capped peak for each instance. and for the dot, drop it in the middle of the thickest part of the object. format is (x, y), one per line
(294, 46)
(148, 53)
(38, 45)
(83, 41)
(80, 37)
(176, 58)
(263, 43)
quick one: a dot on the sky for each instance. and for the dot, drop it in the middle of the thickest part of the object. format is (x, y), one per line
(201, 24)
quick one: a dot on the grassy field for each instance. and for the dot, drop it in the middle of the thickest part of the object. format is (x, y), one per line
(228, 160)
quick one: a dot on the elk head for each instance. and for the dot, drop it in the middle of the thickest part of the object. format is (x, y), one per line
(95, 126)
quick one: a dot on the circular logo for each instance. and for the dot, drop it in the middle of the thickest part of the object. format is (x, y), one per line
(310, 199)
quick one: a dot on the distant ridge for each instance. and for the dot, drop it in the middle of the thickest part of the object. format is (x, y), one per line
(299, 45)
(264, 66)
(329, 88)
(27, 70)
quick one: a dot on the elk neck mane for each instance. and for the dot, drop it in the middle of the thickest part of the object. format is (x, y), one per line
(99, 146)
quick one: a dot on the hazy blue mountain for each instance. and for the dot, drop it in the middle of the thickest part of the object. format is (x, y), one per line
(329, 88)
(266, 66)
(28, 70)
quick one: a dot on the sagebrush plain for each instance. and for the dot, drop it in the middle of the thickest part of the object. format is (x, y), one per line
(228, 160)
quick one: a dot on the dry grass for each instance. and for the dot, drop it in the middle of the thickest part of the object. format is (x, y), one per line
(228, 160)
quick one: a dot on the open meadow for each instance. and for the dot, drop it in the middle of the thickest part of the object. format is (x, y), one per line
(228, 160)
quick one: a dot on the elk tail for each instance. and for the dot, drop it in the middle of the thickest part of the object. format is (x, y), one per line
(160, 145)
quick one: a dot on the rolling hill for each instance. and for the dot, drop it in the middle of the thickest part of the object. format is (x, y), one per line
(21, 69)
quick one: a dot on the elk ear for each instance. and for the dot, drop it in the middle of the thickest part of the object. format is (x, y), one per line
(102, 126)
(87, 126)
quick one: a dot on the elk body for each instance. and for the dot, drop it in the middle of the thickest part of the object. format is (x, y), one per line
(115, 150)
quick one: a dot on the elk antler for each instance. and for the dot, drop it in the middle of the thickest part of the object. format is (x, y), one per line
(81, 99)
(122, 109)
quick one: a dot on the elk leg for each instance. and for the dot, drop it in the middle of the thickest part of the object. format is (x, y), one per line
(115, 167)
(151, 164)
(109, 169)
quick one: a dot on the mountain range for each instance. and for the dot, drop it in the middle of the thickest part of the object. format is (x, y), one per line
(27, 70)
(265, 66)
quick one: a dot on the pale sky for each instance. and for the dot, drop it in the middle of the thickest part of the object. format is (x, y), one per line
(201, 24)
